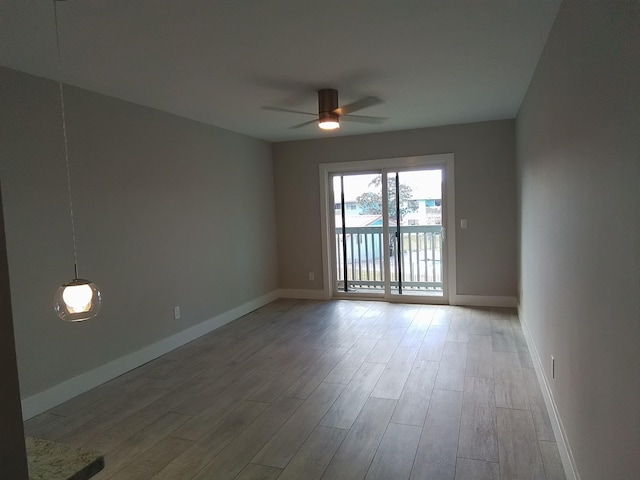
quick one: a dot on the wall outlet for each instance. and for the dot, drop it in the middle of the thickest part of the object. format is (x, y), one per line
(553, 367)
(312, 276)
(176, 313)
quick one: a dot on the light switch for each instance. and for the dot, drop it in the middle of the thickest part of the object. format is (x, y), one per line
(463, 223)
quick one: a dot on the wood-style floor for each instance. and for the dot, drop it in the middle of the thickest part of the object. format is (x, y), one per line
(332, 390)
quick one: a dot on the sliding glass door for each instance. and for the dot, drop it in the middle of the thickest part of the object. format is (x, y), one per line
(388, 233)
(415, 232)
(358, 240)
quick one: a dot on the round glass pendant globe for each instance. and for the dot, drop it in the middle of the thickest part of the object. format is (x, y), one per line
(77, 300)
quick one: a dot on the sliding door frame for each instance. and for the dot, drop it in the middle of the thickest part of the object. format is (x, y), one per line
(443, 161)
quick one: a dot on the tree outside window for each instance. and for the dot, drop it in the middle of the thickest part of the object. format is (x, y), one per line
(370, 203)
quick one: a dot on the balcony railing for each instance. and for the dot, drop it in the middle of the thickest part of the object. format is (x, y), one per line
(421, 259)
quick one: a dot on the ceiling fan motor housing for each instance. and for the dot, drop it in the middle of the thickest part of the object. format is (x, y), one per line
(327, 100)
(327, 104)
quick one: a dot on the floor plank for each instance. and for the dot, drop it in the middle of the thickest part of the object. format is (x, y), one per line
(478, 434)
(459, 326)
(194, 458)
(195, 395)
(502, 338)
(452, 367)
(354, 456)
(519, 450)
(283, 445)
(277, 385)
(133, 447)
(347, 407)
(433, 343)
(510, 388)
(316, 374)
(551, 460)
(200, 424)
(235, 456)
(386, 346)
(258, 472)
(416, 394)
(395, 454)
(479, 321)
(417, 330)
(395, 374)
(437, 451)
(524, 356)
(121, 410)
(442, 316)
(153, 460)
(467, 469)
(479, 357)
(538, 407)
(315, 454)
(344, 371)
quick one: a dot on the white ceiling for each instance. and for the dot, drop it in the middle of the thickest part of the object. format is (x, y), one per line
(433, 62)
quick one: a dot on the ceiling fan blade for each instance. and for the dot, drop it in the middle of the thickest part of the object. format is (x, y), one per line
(286, 110)
(362, 119)
(305, 124)
(358, 105)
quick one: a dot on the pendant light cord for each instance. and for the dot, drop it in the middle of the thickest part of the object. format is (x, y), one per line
(66, 146)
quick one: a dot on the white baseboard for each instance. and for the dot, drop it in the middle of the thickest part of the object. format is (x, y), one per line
(302, 294)
(483, 301)
(43, 401)
(568, 461)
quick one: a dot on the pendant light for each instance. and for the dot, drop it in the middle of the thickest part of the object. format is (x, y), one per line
(78, 299)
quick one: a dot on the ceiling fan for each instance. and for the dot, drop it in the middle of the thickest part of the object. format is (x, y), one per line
(329, 113)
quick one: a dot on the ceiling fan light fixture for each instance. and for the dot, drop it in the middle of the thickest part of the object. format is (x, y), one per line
(329, 121)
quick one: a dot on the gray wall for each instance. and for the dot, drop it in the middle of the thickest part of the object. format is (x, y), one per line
(13, 459)
(578, 135)
(485, 195)
(168, 212)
